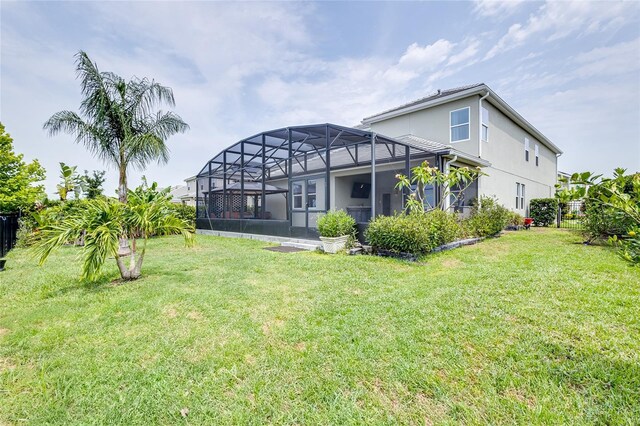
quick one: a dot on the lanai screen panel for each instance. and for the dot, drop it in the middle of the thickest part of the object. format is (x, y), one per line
(280, 155)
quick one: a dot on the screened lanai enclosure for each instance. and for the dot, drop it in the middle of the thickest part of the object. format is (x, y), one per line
(281, 181)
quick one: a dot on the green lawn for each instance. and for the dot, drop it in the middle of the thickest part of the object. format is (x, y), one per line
(530, 328)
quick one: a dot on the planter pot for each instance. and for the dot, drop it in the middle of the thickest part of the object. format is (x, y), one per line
(335, 244)
(2, 263)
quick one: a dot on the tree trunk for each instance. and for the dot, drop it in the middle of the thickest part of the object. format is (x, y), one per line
(125, 274)
(124, 249)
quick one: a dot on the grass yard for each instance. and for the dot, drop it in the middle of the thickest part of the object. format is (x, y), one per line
(530, 328)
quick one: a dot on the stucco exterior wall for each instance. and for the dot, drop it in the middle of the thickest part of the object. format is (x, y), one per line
(504, 149)
(433, 124)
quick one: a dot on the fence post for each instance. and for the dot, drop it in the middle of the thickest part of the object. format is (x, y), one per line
(559, 216)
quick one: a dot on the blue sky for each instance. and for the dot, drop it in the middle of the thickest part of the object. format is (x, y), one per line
(571, 68)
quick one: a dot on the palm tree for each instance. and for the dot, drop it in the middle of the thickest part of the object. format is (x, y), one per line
(118, 121)
(102, 223)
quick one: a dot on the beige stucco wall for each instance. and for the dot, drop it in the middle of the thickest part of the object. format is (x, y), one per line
(433, 124)
(504, 150)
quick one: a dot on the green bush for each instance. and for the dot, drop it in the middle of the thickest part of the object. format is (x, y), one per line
(515, 219)
(184, 212)
(336, 223)
(629, 246)
(543, 211)
(487, 218)
(416, 233)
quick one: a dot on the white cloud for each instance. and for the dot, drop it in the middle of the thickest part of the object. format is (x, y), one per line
(557, 20)
(497, 8)
(613, 60)
(466, 54)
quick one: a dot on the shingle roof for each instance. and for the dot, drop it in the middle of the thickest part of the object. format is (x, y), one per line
(422, 143)
(430, 97)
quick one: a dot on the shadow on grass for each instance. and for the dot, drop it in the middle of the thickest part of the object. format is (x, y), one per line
(104, 283)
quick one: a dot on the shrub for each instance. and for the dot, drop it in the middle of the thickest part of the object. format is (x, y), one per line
(543, 211)
(416, 233)
(629, 246)
(336, 223)
(515, 219)
(184, 212)
(602, 222)
(487, 217)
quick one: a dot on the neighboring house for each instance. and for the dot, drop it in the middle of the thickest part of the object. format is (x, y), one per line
(185, 194)
(564, 180)
(280, 181)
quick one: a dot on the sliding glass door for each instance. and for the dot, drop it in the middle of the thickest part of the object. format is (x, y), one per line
(307, 201)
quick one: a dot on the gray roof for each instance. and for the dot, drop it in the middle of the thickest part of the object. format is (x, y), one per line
(435, 95)
(426, 144)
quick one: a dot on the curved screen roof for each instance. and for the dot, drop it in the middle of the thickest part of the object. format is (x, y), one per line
(272, 148)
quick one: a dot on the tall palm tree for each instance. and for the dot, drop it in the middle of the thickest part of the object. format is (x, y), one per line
(118, 121)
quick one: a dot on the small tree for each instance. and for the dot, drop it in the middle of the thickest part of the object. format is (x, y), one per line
(617, 202)
(147, 213)
(70, 181)
(424, 176)
(17, 178)
(93, 188)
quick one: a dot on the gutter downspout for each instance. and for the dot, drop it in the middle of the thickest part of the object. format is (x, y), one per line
(447, 201)
(480, 137)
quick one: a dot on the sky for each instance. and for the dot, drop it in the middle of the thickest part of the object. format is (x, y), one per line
(572, 69)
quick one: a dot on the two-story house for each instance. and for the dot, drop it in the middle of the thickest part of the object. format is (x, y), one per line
(476, 121)
(279, 182)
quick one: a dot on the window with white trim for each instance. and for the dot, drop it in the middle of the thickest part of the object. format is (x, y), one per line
(311, 194)
(517, 195)
(459, 123)
(537, 152)
(297, 195)
(485, 125)
(526, 149)
(522, 196)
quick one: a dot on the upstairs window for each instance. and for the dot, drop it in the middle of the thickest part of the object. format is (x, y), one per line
(526, 149)
(537, 152)
(485, 125)
(459, 122)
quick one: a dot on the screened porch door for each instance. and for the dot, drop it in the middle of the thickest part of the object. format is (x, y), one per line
(307, 202)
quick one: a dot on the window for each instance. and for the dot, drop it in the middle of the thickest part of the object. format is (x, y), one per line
(459, 121)
(485, 124)
(297, 195)
(526, 149)
(522, 196)
(189, 188)
(311, 194)
(537, 151)
(517, 195)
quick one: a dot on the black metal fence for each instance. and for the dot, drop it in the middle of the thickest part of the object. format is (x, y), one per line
(571, 215)
(8, 232)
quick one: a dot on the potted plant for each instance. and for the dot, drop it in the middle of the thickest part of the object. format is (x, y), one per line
(336, 228)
